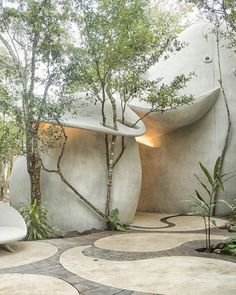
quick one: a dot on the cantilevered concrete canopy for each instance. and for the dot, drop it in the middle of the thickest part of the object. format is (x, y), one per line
(163, 123)
(87, 115)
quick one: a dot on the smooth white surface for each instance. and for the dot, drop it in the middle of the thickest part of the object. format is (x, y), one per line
(84, 166)
(148, 219)
(25, 253)
(173, 158)
(31, 284)
(9, 234)
(163, 123)
(87, 115)
(12, 224)
(165, 275)
(149, 242)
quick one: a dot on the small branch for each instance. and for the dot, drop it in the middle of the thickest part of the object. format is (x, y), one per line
(14, 58)
(107, 150)
(43, 102)
(33, 66)
(65, 181)
(142, 117)
(121, 152)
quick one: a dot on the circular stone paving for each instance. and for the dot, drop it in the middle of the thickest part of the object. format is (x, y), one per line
(149, 242)
(24, 253)
(147, 219)
(165, 275)
(29, 284)
(182, 223)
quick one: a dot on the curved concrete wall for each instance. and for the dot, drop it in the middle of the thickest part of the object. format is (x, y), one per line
(85, 167)
(169, 165)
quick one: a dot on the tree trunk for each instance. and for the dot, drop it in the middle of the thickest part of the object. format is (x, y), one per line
(229, 122)
(2, 181)
(35, 173)
(110, 174)
(33, 164)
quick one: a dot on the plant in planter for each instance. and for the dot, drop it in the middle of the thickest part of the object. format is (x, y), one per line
(204, 202)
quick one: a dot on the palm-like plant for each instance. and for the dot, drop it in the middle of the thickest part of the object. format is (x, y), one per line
(36, 218)
(205, 202)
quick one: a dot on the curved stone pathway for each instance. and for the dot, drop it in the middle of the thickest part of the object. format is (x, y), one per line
(31, 284)
(25, 253)
(149, 242)
(146, 221)
(164, 275)
(109, 263)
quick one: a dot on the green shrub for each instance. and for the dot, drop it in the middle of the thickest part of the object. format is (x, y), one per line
(205, 202)
(230, 247)
(114, 221)
(36, 218)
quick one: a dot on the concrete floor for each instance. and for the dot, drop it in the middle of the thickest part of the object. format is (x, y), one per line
(104, 255)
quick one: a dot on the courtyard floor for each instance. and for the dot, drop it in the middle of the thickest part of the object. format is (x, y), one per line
(157, 255)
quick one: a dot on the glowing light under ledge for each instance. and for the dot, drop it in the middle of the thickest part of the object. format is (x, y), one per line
(147, 140)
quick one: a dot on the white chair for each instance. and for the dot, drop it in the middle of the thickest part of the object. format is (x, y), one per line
(12, 226)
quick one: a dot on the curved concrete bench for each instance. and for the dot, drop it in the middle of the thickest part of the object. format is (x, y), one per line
(12, 226)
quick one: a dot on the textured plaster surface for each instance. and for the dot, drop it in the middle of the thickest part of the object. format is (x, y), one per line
(170, 161)
(29, 284)
(164, 275)
(149, 242)
(87, 115)
(24, 253)
(159, 124)
(84, 165)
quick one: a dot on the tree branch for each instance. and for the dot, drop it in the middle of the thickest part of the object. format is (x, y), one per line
(58, 171)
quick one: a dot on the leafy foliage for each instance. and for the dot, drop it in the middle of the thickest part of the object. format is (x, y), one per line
(204, 203)
(114, 221)
(36, 218)
(34, 36)
(178, 13)
(11, 136)
(120, 41)
(221, 12)
(230, 247)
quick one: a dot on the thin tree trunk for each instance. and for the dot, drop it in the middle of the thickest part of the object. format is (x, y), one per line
(33, 165)
(35, 173)
(110, 174)
(209, 233)
(229, 123)
(59, 172)
(206, 231)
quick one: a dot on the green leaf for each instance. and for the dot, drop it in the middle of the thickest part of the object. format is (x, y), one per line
(203, 185)
(201, 199)
(219, 183)
(207, 173)
(232, 176)
(217, 167)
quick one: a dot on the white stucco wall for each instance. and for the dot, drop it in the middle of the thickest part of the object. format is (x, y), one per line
(169, 166)
(85, 167)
